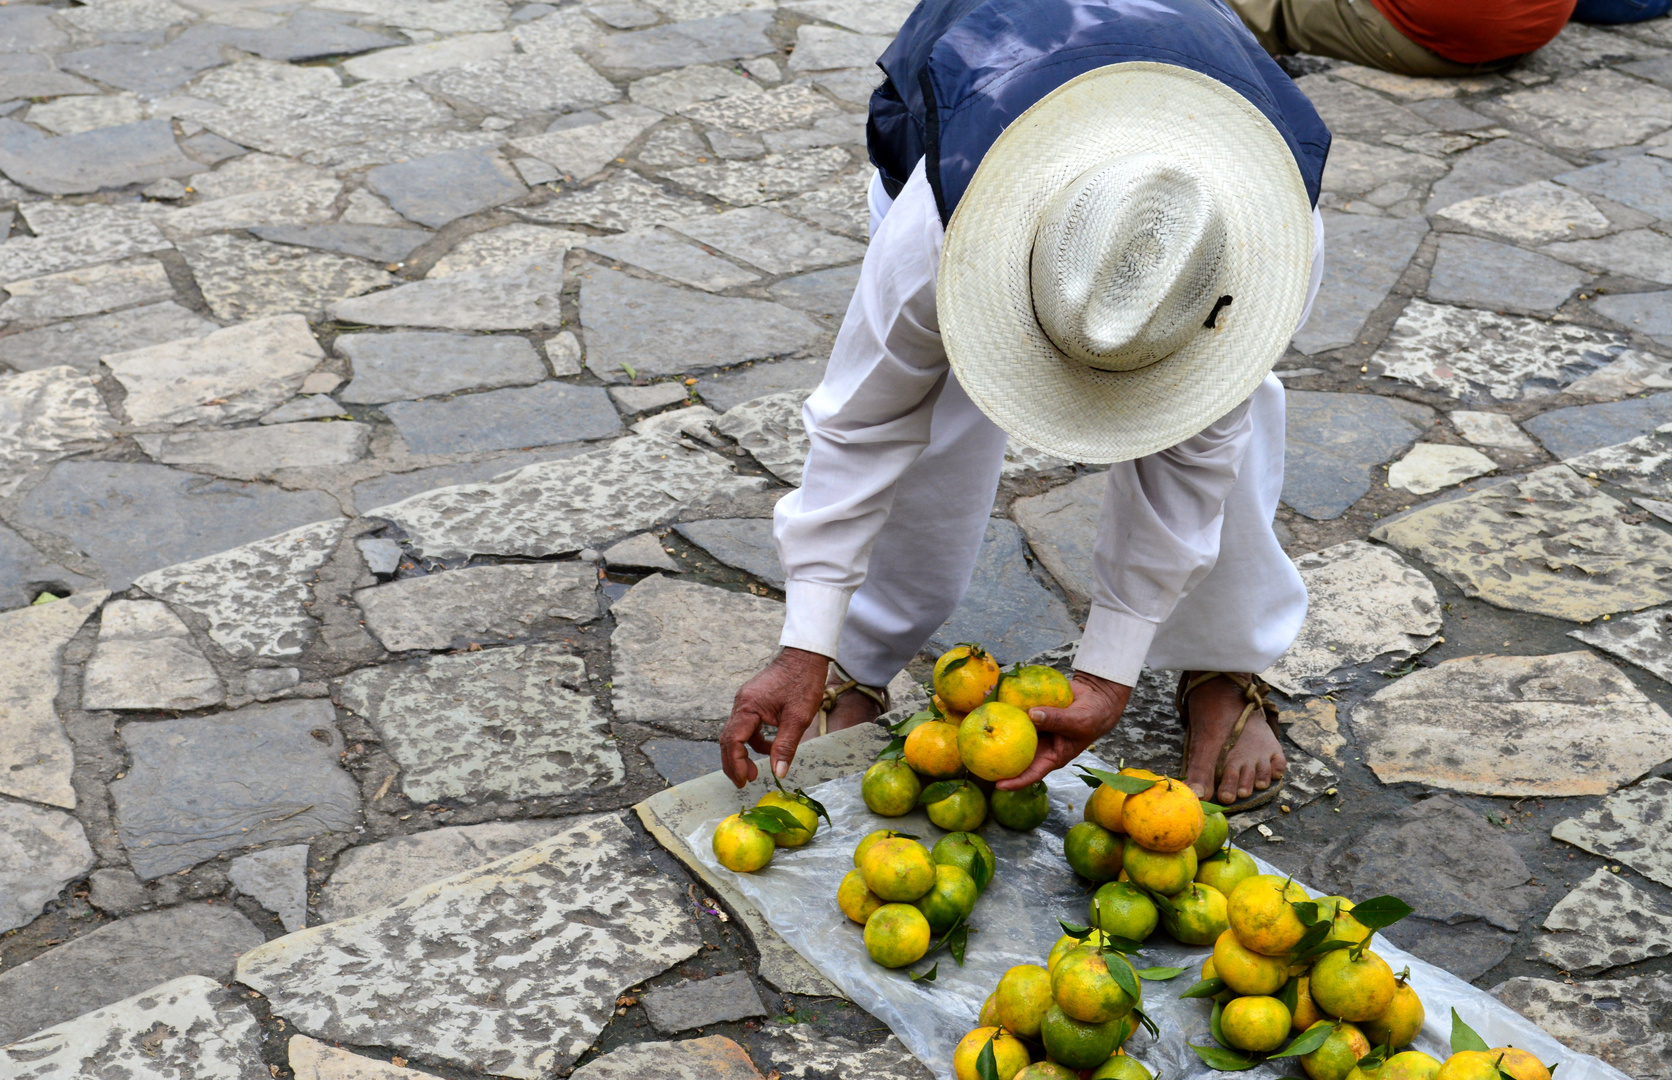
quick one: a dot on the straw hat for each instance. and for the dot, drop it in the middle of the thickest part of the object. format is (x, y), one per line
(1101, 233)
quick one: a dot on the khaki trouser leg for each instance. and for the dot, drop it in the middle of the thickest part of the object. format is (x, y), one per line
(1350, 30)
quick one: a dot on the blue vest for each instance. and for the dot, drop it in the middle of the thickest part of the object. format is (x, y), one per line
(961, 70)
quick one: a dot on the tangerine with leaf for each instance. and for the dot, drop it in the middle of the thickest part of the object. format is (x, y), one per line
(964, 676)
(741, 846)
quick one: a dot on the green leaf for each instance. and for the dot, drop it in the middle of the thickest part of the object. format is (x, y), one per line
(1124, 976)
(1159, 974)
(1551, 1068)
(1325, 947)
(1217, 1057)
(939, 791)
(1131, 785)
(1214, 1028)
(1463, 1037)
(957, 940)
(807, 801)
(1114, 944)
(931, 713)
(896, 748)
(1078, 933)
(1306, 911)
(955, 664)
(985, 1067)
(1205, 988)
(1375, 1058)
(1211, 808)
(927, 976)
(1308, 1040)
(982, 873)
(1149, 1025)
(1315, 934)
(771, 819)
(1290, 995)
(1380, 912)
(631, 373)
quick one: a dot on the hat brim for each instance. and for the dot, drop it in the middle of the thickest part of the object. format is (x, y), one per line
(1007, 364)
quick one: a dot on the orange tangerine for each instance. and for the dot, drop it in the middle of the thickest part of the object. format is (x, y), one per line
(932, 751)
(1167, 817)
(1010, 1054)
(1261, 910)
(964, 676)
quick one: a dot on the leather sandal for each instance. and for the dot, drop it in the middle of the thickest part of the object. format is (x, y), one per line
(839, 683)
(1254, 691)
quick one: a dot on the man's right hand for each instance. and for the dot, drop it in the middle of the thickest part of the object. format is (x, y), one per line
(785, 695)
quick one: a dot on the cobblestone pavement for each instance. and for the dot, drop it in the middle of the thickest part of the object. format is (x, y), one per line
(393, 397)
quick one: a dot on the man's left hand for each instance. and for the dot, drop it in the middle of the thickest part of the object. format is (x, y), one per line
(1064, 733)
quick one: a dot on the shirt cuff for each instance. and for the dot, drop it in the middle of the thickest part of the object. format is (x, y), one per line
(813, 616)
(1114, 645)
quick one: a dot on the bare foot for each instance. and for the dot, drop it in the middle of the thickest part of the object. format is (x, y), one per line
(1255, 761)
(852, 709)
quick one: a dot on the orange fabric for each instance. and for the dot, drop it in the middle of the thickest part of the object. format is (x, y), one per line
(1478, 31)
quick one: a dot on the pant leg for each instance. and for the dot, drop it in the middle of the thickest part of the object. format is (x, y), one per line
(1246, 611)
(1609, 12)
(1352, 30)
(925, 554)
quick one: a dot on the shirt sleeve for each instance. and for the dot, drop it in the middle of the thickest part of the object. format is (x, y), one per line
(867, 422)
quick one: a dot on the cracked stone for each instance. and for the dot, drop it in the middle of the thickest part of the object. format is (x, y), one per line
(1604, 923)
(145, 659)
(696, 1004)
(1491, 168)
(1315, 727)
(1429, 467)
(306, 407)
(252, 596)
(692, 422)
(82, 342)
(582, 151)
(509, 419)
(801, 1055)
(237, 373)
(34, 750)
(277, 879)
(376, 875)
(1640, 465)
(256, 189)
(1621, 1021)
(516, 243)
(375, 242)
(793, 106)
(223, 1038)
(776, 244)
(770, 428)
(1366, 257)
(404, 366)
(1641, 182)
(1644, 639)
(514, 723)
(1355, 168)
(674, 91)
(480, 605)
(410, 61)
(444, 187)
(713, 1057)
(106, 965)
(86, 291)
(1469, 353)
(660, 330)
(45, 415)
(775, 176)
(643, 551)
(820, 48)
(259, 452)
(1534, 213)
(1641, 253)
(107, 157)
(67, 237)
(516, 295)
(1351, 110)
(249, 279)
(1631, 373)
(1006, 607)
(1491, 430)
(1365, 602)
(74, 115)
(41, 851)
(522, 1008)
(1335, 441)
(681, 649)
(1587, 110)
(622, 201)
(695, 41)
(1560, 725)
(1628, 826)
(201, 787)
(313, 1060)
(555, 81)
(1580, 429)
(1470, 270)
(744, 543)
(662, 252)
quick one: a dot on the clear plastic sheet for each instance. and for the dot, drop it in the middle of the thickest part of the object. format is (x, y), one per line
(1015, 922)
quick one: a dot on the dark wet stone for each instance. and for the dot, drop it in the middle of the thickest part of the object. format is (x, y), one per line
(24, 572)
(377, 242)
(1334, 441)
(1366, 256)
(1582, 428)
(444, 187)
(1467, 950)
(102, 158)
(679, 760)
(700, 1002)
(404, 366)
(745, 543)
(697, 41)
(1649, 313)
(1470, 270)
(1006, 608)
(823, 292)
(206, 785)
(1493, 167)
(506, 419)
(729, 389)
(132, 518)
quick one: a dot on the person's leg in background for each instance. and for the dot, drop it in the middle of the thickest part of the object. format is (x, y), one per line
(1351, 30)
(1611, 12)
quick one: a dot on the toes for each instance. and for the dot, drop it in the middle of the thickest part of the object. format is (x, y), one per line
(1262, 774)
(1279, 765)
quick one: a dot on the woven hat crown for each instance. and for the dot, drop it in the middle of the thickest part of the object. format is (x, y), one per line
(1127, 261)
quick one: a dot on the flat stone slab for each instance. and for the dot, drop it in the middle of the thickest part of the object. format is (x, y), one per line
(257, 453)
(25, 572)
(1443, 858)
(1061, 528)
(520, 295)
(623, 200)
(104, 158)
(515, 243)
(445, 187)
(1639, 253)
(199, 787)
(247, 370)
(68, 236)
(80, 343)
(1644, 639)
(409, 61)
(1586, 110)
(726, 390)
(1429, 467)
(479, 605)
(36, 757)
(1467, 950)
(1629, 826)
(390, 487)
(1642, 465)
(1629, 374)
(253, 595)
(277, 879)
(771, 241)
(713, 1057)
(551, 81)
(190, 1026)
(679, 760)
(311, 1059)
(120, 959)
(696, 41)
(87, 291)
(145, 659)
(523, 1007)
(681, 649)
(510, 419)
(1650, 313)
(1006, 607)
(1334, 443)
(1536, 213)
(797, 1053)
(745, 543)
(1366, 257)
(1546, 543)
(1561, 725)
(1491, 168)
(582, 150)
(1365, 602)
(643, 551)
(1606, 922)
(770, 428)
(824, 293)
(372, 876)
(250, 279)
(41, 851)
(698, 1003)
(516, 723)
(1357, 168)
(660, 330)
(1470, 270)
(1493, 430)
(560, 507)
(775, 176)
(1639, 181)
(50, 413)
(1580, 429)
(640, 399)
(379, 243)
(665, 253)
(1468, 353)
(132, 518)
(257, 190)
(1617, 1020)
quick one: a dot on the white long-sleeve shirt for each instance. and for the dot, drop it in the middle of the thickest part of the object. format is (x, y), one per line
(870, 420)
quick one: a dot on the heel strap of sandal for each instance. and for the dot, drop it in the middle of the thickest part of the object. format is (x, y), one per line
(835, 690)
(1254, 694)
